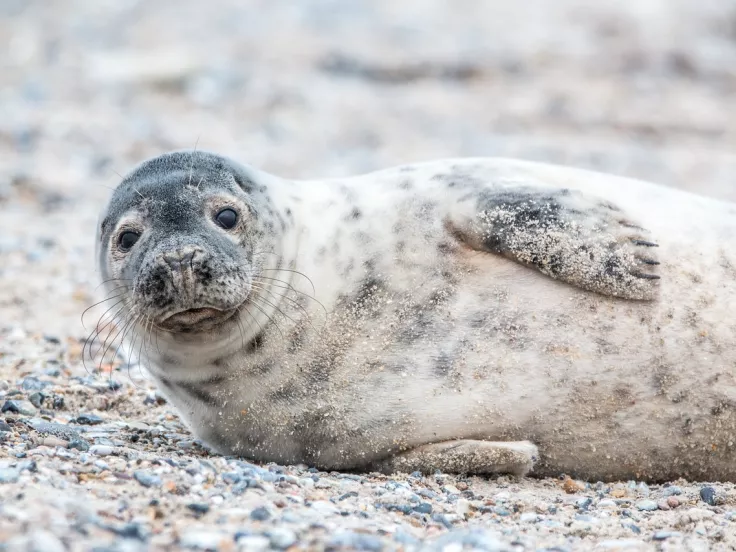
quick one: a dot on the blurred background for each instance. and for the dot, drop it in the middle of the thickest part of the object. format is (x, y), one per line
(642, 88)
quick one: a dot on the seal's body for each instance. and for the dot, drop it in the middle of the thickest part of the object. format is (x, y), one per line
(440, 315)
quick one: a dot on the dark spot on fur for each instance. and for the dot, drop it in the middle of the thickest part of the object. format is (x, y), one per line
(355, 214)
(443, 365)
(286, 392)
(362, 237)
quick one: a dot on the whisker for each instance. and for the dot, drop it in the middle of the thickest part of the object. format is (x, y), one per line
(289, 286)
(191, 165)
(81, 318)
(314, 290)
(269, 319)
(131, 316)
(294, 302)
(112, 319)
(268, 303)
(89, 342)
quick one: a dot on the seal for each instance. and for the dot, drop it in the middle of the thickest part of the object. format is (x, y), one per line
(470, 315)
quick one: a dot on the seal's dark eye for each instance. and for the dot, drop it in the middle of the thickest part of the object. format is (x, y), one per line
(128, 239)
(227, 218)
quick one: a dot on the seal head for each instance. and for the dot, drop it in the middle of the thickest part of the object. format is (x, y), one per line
(179, 238)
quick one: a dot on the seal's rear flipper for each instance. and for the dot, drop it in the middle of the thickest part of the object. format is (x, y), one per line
(566, 234)
(464, 456)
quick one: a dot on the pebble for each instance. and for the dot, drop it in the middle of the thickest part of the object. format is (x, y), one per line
(673, 502)
(672, 490)
(37, 399)
(356, 541)
(647, 505)
(281, 537)
(58, 430)
(199, 508)
(607, 503)
(663, 505)
(423, 508)
(708, 495)
(4, 426)
(9, 475)
(253, 543)
(664, 535)
(146, 479)
(101, 450)
(260, 514)
(79, 444)
(88, 419)
(19, 407)
(203, 540)
(32, 383)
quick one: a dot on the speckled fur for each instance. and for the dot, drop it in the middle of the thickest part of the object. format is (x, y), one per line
(485, 299)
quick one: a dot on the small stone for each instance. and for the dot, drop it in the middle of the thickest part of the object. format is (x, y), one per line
(4, 426)
(88, 419)
(584, 503)
(101, 450)
(79, 444)
(647, 505)
(58, 430)
(664, 535)
(673, 502)
(529, 517)
(19, 407)
(606, 503)
(631, 526)
(199, 508)
(260, 514)
(423, 508)
(37, 399)
(9, 475)
(57, 402)
(570, 486)
(501, 511)
(146, 479)
(356, 541)
(463, 508)
(54, 442)
(32, 383)
(451, 489)
(672, 490)
(281, 537)
(662, 505)
(708, 495)
(203, 540)
(253, 543)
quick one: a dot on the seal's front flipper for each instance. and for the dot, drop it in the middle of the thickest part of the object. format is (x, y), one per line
(566, 234)
(464, 456)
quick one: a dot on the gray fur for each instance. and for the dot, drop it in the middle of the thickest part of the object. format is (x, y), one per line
(458, 301)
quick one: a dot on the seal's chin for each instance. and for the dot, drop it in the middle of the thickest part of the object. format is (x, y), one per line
(196, 320)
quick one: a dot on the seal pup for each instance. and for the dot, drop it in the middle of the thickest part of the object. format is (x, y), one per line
(469, 315)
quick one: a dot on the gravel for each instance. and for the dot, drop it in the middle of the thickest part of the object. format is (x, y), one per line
(93, 458)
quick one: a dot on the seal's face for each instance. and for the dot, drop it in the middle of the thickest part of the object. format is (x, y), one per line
(177, 239)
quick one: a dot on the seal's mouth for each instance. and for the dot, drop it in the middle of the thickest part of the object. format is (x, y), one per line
(197, 319)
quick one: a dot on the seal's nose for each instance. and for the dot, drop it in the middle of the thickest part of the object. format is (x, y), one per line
(181, 259)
